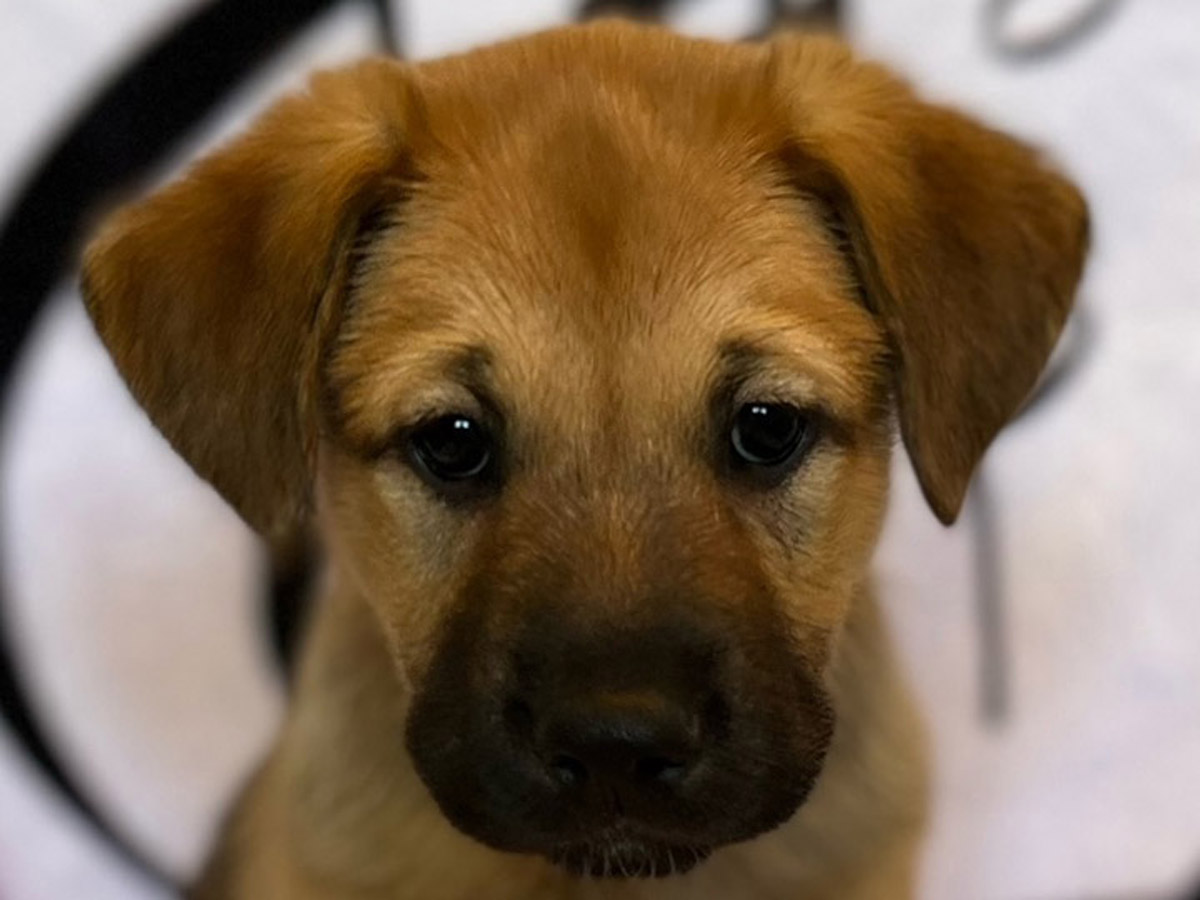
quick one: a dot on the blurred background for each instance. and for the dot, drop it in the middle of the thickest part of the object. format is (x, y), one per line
(1053, 635)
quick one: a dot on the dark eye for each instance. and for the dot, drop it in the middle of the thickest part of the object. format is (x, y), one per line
(769, 435)
(453, 449)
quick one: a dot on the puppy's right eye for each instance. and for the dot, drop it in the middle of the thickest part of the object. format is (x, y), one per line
(453, 452)
(768, 440)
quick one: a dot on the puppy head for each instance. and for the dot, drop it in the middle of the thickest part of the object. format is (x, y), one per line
(588, 348)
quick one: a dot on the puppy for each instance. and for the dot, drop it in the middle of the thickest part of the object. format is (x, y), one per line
(582, 354)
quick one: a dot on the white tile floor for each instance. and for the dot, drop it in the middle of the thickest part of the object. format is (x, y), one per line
(131, 584)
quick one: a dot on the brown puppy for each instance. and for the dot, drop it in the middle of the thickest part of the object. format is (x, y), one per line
(583, 353)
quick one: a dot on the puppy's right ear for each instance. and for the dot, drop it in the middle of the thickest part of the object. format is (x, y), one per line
(968, 245)
(215, 294)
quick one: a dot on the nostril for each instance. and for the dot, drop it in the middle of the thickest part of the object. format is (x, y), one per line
(568, 770)
(519, 718)
(659, 768)
(714, 722)
(642, 739)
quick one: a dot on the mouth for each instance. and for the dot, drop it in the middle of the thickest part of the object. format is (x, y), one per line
(621, 855)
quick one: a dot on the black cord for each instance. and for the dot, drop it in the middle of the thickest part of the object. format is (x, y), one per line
(1052, 41)
(388, 26)
(995, 660)
(990, 609)
(777, 13)
(995, 663)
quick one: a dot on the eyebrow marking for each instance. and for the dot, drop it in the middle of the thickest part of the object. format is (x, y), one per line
(439, 380)
(742, 362)
(471, 367)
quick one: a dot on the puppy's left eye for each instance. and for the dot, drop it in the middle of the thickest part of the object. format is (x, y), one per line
(770, 437)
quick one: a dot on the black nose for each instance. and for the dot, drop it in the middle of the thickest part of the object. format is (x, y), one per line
(616, 738)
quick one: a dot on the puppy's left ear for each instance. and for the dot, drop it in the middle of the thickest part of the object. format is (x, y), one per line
(214, 295)
(969, 248)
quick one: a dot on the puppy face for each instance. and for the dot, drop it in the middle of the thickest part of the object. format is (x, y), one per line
(615, 590)
(588, 347)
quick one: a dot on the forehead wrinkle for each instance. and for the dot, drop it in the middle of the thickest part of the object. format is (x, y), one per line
(839, 365)
(601, 183)
(587, 214)
(369, 402)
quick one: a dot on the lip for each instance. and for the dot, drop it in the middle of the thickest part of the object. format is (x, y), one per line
(625, 856)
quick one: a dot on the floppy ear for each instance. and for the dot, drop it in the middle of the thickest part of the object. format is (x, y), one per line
(969, 248)
(214, 294)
